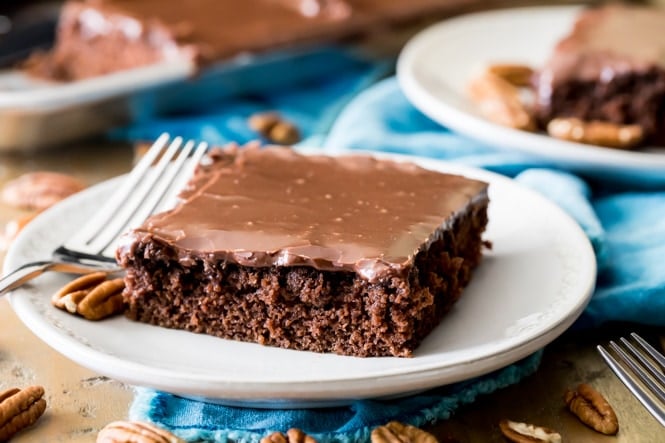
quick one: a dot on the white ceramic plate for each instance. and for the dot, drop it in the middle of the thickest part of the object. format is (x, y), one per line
(532, 285)
(436, 65)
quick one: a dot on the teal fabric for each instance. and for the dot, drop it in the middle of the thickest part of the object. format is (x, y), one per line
(625, 222)
(199, 421)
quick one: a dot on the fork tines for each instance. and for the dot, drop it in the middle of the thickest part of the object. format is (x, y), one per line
(149, 187)
(640, 367)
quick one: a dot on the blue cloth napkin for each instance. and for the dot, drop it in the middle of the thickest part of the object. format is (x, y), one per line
(199, 421)
(626, 228)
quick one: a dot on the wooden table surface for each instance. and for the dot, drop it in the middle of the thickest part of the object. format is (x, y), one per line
(80, 401)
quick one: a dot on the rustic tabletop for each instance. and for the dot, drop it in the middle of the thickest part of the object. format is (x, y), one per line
(80, 402)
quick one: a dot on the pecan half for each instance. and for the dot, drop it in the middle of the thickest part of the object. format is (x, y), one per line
(293, 435)
(40, 190)
(263, 122)
(527, 433)
(500, 101)
(515, 74)
(20, 408)
(103, 301)
(596, 132)
(82, 285)
(274, 127)
(396, 432)
(592, 409)
(135, 432)
(284, 133)
(13, 227)
(91, 296)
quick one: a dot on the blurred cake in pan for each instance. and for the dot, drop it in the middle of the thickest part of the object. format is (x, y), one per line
(97, 37)
(610, 67)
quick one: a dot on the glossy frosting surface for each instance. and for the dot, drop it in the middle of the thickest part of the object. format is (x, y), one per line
(271, 206)
(215, 29)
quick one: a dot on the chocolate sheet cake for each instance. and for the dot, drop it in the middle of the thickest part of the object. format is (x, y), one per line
(97, 37)
(611, 67)
(349, 255)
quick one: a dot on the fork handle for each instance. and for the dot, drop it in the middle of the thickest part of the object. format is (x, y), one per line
(22, 275)
(28, 271)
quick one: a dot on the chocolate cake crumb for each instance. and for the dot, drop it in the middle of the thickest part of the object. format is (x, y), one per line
(377, 291)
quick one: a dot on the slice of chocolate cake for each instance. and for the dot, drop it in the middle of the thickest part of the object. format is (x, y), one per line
(611, 67)
(97, 37)
(350, 255)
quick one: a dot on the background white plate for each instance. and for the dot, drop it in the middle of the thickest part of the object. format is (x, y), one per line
(436, 65)
(531, 286)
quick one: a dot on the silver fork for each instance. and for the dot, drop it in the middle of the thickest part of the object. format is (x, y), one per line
(146, 189)
(645, 378)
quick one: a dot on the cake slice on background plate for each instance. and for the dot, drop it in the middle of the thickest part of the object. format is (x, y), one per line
(610, 68)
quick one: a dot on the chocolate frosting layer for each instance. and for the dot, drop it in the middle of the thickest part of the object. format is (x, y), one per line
(272, 206)
(211, 30)
(97, 37)
(215, 29)
(606, 42)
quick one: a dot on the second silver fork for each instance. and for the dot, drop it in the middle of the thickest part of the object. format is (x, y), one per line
(149, 188)
(640, 367)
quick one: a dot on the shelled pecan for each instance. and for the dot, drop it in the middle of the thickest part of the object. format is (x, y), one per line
(263, 122)
(274, 127)
(516, 74)
(293, 435)
(592, 409)
(500, 101)
(40, 190)
(12, 229)
(135, 432)
(518, 432)
(284, 133)
(20, 408)
(596, 132)
(91, 296)
(394, 432)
